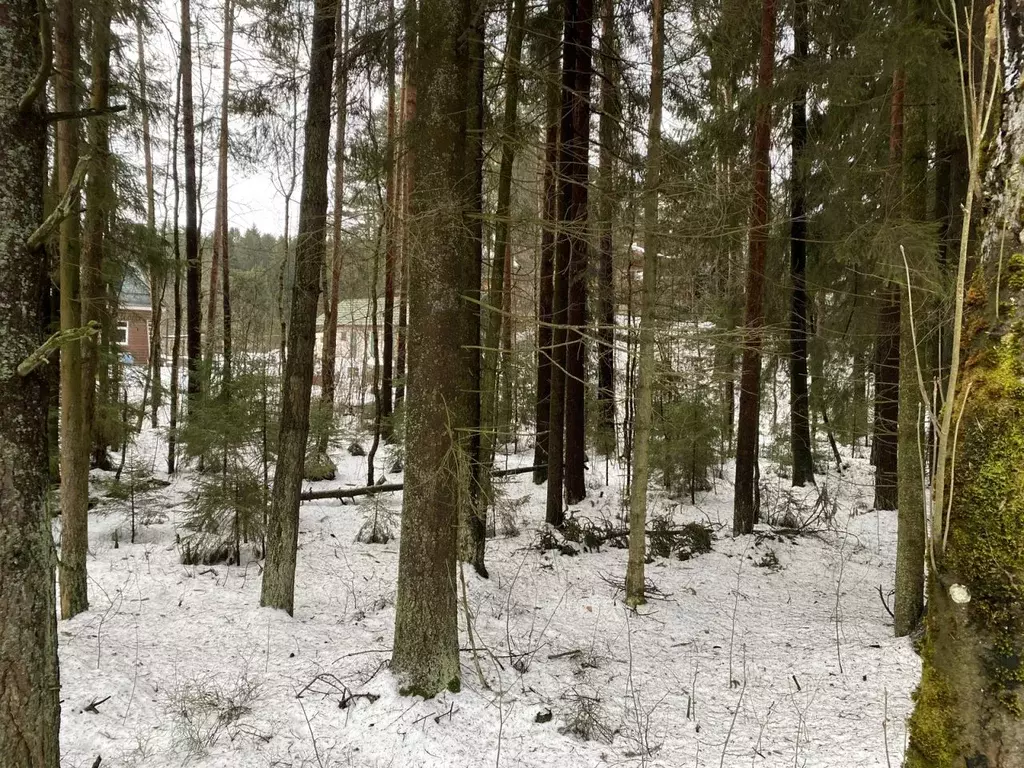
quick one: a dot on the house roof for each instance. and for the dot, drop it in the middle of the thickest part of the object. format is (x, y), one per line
(134, 293)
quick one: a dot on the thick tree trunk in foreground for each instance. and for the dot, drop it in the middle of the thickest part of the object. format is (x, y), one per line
(283, 522)
(969, 702)
(426, 648)
(74, 425)
(644, 411)
(799, 399)
(748, 428)
(29, 682)
(575, 170)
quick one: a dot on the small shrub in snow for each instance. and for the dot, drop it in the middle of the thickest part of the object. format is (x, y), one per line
(769, 560)
(379, 524)
(586, 719)
(203, 711)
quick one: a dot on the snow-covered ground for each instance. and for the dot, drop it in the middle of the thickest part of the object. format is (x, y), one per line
(734, 663)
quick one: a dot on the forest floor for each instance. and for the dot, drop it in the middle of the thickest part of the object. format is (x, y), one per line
(771, 650)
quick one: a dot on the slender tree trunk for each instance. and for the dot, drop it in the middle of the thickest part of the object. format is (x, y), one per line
(391, 237)
(748, 429)
(99, 205)
(426, 650)
(328, 363)
(192, 265)
(548, 248)
(74, 434)
(887, 375)
(466, 417)
(799, 400)
(222, 232)
(30, 713)
(611, 114)
(499, 287)
(172, 429)
(408, 115)
(282, 535)
(968, 704)
(912, 466)
(576, 169)
(638, 487)
(157, 272)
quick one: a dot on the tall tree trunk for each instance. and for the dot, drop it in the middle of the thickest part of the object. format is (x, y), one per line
(749, 429)
(172, 425)
(579, 29)
(283, 523)
(222, 232)
(74, 427)
(99, 205)
(555, 512)
(887, 356)
(611, 114)
(426, 650)
(969, 702)
(799, 400)
(391, 237)
(499, 289)
(408, 114)
(548, 247)
(912, 467)
(473, 514)
(328, 362)
(30, 713)
(644, 412)
(192, 265)
(157, 272)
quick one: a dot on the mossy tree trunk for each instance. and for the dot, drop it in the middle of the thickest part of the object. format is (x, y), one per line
(644, 411)
(970, 702)
(426, 649)
(283, 522)
(29, 682)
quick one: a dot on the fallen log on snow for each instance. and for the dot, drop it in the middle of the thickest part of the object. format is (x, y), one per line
(371, 490)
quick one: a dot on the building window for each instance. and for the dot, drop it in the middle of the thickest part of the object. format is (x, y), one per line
(122, 332)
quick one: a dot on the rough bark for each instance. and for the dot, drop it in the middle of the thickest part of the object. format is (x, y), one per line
(426, 650)
(222, 232)
(29, 681)
(278, 589)
(799, 399)
(645, 373)
(74, 425)
(575, 169)
(748, 427)
(172, 424)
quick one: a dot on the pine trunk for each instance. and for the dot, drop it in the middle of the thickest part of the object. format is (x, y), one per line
(748, 428)
(645, 373)
(426, 649)
(172, 424)
(283, 522)
(390, 239)
(30, 714)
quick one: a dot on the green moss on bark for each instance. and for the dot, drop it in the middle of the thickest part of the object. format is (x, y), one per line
(934, 724)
